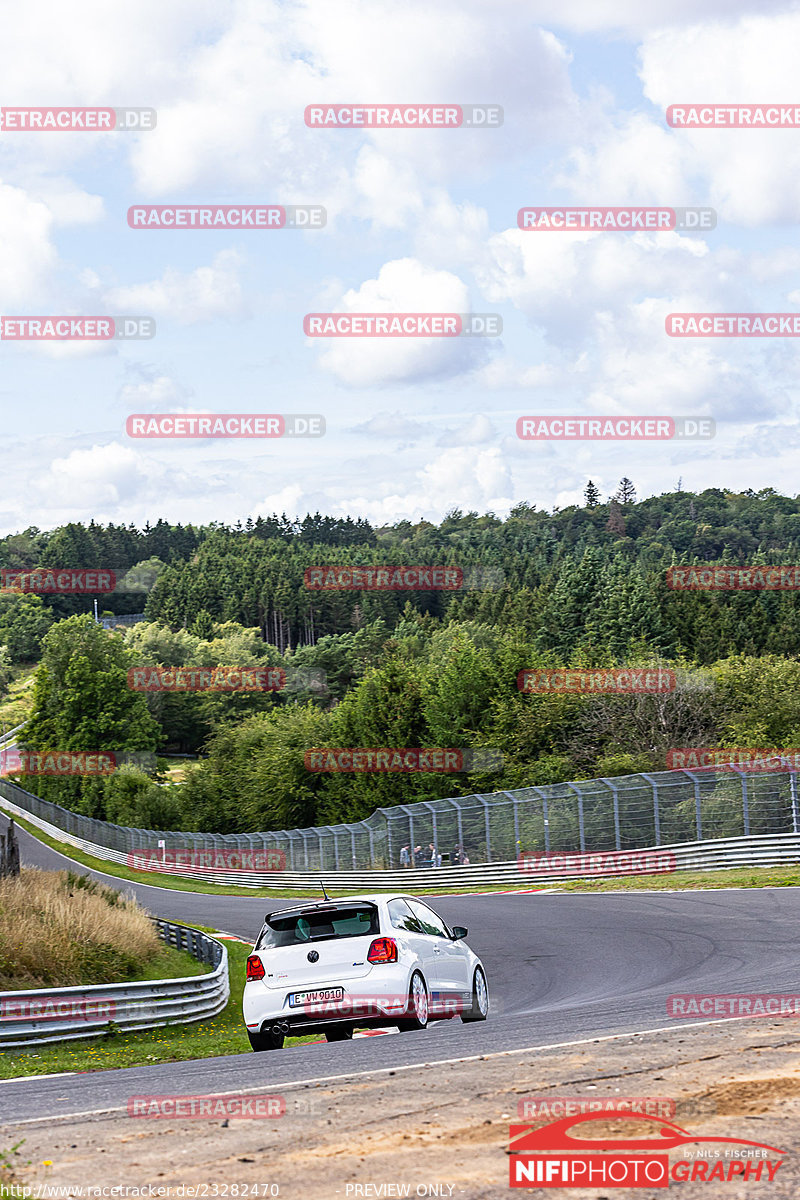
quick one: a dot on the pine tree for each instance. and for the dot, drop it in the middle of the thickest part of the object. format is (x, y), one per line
(591, 495)
(626, 492)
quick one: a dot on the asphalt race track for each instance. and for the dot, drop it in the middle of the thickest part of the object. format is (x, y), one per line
(561, 968)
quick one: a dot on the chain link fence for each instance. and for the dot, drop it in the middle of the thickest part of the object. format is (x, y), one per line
(623, 813)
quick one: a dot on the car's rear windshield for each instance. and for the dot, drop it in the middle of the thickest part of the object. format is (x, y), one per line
(318, 925)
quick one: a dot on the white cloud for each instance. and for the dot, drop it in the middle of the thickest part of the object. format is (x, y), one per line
(201, 295)
(403, 286)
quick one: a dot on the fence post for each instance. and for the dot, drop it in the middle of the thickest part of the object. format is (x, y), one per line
(656, 819)
(485, 804)
(793, 790)
(513, 800)
(581, 832)
(545, 818)
(698, 820)
(615, 794)
(745, 802)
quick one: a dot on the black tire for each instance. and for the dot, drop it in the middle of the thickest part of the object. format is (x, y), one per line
(267, 1039)
(479, 1010)
(417, 1011)
(343, 1033)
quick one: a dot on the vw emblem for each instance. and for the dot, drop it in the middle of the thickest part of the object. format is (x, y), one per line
(313, 955)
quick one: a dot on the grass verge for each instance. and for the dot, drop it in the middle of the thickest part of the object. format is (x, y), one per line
(223, 1034)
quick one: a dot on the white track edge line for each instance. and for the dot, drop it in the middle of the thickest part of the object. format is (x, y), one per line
(354, 1075)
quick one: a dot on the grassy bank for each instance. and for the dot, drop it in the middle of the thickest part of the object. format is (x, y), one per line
(223, 1034)
(63, 929)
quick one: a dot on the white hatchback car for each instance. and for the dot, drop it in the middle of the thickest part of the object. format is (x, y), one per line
(363, 961)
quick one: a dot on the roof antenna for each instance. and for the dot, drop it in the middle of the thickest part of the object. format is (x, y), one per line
(325, 894)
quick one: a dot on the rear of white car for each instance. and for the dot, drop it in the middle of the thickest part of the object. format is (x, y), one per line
(361, 962)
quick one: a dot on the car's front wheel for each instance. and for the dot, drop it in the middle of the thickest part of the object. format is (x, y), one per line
(417, 1008)
(480, 998)
(266, 1039)
(342, 1034)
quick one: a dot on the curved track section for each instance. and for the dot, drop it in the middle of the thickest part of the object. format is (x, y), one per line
(561, 968)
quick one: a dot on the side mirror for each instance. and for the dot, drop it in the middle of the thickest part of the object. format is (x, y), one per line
(459, 932)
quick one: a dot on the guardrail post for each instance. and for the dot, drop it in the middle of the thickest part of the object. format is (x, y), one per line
(793, 789)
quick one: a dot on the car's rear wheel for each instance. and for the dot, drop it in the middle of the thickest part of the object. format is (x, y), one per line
(343, 1033)
(480, 998)
(418, 1006)
(266, 1039)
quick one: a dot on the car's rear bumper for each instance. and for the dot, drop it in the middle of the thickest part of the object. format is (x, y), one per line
(379, 1002)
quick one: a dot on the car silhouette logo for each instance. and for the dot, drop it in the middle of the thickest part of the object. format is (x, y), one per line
(313, 955)
(556, 1136)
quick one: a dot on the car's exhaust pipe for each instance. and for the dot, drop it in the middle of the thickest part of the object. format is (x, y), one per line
(281, 1027)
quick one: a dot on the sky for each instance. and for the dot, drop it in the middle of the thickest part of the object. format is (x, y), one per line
(417, 220)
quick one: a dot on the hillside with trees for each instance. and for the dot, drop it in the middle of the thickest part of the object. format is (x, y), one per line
(582, 586)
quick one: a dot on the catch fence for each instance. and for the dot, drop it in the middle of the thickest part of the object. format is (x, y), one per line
(622, 813)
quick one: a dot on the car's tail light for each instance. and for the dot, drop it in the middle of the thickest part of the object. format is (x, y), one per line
(255, 967)
(383, 950)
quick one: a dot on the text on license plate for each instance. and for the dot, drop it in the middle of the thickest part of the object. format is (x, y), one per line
(315, 997)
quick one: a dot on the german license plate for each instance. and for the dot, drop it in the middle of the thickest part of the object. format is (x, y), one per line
(319, 996)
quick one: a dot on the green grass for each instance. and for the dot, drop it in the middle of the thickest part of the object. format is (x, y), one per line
(16, 705)
(223, 1034)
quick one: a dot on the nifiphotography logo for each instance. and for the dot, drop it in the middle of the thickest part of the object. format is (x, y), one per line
(554, 1156)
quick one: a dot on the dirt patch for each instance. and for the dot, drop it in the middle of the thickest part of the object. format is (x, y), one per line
(444, 1131)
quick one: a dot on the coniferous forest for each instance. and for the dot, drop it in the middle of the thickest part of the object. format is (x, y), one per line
(584, 585)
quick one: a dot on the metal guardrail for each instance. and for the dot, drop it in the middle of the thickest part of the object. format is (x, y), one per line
(713, 855)
(42, 1015)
